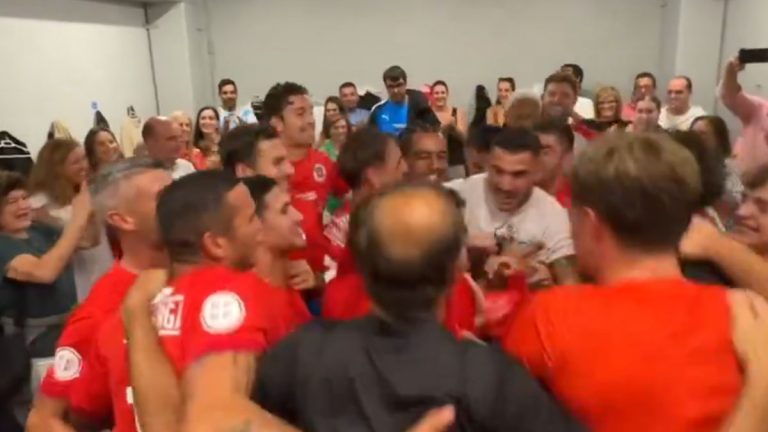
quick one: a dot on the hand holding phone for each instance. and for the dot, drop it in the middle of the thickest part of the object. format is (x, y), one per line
(753, 55)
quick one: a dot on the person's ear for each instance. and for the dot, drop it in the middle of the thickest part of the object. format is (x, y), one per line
(215, 246)
(120, 221)
(243, 170)
(277, 123)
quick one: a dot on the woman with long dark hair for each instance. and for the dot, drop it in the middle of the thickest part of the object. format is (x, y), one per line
(206, 139)
(101, 148)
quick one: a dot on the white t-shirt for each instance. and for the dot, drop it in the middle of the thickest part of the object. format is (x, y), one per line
(683, 122)
(585, 107)
(181, 168)
(540, 220)
(88, 264)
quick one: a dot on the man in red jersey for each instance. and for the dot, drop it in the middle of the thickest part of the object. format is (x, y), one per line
(124, 194)
(210, 226)
(288, 108)
(645, 350)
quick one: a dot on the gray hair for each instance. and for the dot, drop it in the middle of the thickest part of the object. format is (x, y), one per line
(105, 185)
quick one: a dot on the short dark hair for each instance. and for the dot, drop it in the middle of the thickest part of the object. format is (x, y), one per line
(413, 128)
(711, 165)
(578, 71)
(394, 74)
(439, 83)
(559, 128)
(10, 181)
(481, 137)
(645, 187)
(655, 99)
(406, 288)
(720, 129)
(756, 178)
(347, 84)
(190, 207)
(688, 82)
(259, 187)
(562, 78)
(508, 80)
(517, 140)
(278, 95)
(225, 82)
(365, 148)
(646, 75)
(241, 145)
(90, 145)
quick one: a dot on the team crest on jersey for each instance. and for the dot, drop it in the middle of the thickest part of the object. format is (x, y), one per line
(319, 173)
(67, 364)
(222, 312)
(167, 310)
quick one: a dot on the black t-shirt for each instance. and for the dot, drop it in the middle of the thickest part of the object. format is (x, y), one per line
(705, 272)
(367, 375)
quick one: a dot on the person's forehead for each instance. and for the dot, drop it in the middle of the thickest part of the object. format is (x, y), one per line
(298, 101)
(271, 147)
(560, 86)
(510, 160)
(677, 84)
(229, 88)
(428, 139)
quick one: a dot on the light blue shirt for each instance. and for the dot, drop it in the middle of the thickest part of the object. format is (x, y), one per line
(358, 116)
(241, 116)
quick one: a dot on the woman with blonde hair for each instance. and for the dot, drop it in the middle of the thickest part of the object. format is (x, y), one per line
(184, 122)
(607, 111)
(60, 171)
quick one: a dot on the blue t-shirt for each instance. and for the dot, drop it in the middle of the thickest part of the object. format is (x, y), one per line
(391, 117)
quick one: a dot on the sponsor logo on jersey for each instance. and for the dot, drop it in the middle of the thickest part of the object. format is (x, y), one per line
(67, 364)
(222, 312)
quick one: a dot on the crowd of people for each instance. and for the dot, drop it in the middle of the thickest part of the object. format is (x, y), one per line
(550, 262)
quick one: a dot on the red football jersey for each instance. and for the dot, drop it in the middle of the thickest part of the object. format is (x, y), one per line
(315, 178)
(76, 339)
(226, 310)
(345, 298)
(563, 192)
(104, 389)
(336, 232)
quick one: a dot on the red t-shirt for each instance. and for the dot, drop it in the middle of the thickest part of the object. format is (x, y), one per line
(336, 232)
(563, 192)
(104, 388)
(587, 133)
(502, 305)
(345, 298)
(76, 339)
(651, 355)
(315, 178)
(228, 310)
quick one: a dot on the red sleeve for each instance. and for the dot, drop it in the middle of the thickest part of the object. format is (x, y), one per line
(312, 225)
(236, 318)
(527, 338)
(74, 344)
(345, 298)
(90, 393)
(460, 308)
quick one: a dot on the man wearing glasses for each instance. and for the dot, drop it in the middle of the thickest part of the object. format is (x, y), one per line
(402, 105)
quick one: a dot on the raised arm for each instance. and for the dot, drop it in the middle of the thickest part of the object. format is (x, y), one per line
(46, 268)
(731, 94)
(745, 268)
(156, 392)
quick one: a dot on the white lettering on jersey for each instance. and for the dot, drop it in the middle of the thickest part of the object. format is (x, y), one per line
(167, 312)
(67, 364)
(222, 312)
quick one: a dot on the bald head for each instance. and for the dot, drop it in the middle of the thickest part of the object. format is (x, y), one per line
(406, 241)
(162, 138)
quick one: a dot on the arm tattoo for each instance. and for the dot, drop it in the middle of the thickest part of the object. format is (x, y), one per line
(564, 270)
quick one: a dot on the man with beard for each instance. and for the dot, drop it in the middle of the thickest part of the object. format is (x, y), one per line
(505, 205)
(125, 194)
(557, 103)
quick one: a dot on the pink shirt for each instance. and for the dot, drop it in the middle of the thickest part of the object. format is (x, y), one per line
(628, 112)
(751, 148)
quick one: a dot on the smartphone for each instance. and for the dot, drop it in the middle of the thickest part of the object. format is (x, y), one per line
(754, 55)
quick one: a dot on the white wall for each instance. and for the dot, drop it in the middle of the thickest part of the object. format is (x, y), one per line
(322, 43)
(59, 56)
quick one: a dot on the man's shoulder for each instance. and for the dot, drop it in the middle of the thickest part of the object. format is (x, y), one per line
(543, 203)
(469, 185)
